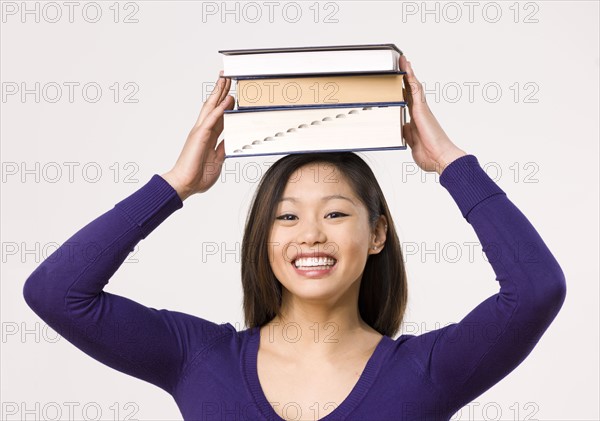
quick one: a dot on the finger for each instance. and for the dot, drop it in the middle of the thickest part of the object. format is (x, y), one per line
(416, 88)
(221, 152)
(217, 91)
(211, 120)
(408, 135)
(407, 95)
(409, 101)
(213, 99)
(225, 90)
(406, 91)
(402, 62)
(407, 67)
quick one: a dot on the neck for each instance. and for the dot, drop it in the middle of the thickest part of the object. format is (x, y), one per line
(315, 330)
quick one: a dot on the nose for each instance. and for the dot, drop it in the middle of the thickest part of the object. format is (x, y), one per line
(311, 232)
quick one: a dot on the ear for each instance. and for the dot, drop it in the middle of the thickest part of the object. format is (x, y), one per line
(378, 235)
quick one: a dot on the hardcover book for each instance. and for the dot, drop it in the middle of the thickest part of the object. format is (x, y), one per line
(335, 59)
(314, 90)
(276, 131)
(314, 99)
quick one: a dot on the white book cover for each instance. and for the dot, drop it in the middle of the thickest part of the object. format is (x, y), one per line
(339, 59)
(281, 131)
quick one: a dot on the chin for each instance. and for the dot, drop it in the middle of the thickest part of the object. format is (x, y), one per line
(315, 289)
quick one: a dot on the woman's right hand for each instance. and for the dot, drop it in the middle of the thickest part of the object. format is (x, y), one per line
(199, 164)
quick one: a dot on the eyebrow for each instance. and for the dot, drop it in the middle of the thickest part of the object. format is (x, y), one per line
(323, 199)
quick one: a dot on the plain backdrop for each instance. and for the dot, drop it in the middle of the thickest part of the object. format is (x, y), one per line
(514, 83)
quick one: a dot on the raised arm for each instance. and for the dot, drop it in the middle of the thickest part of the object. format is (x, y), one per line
(465, 359)
(66, 289)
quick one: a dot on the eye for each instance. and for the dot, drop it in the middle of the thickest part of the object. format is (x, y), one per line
(289, 217)
(284, 217)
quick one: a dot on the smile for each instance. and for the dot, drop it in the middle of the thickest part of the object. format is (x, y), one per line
(314, 267)
(304, 262)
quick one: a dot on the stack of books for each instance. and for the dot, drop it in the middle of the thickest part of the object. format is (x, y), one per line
(309, 99)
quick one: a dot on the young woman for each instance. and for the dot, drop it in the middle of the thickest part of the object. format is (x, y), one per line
(324, 290)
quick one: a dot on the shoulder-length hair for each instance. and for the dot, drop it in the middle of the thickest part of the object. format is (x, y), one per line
(383, 288)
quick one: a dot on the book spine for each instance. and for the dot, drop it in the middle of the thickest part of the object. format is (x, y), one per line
(312, 74)
(317, 106)
(309, 75)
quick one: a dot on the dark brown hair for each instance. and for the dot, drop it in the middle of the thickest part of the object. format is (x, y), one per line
(383, 288)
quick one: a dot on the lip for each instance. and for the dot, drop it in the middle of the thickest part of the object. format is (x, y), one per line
(314, 273)
(315, 254)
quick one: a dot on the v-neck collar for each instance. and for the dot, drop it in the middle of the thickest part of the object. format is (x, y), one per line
(348, 405)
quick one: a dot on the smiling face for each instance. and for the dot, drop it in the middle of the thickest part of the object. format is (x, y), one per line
(320, 214)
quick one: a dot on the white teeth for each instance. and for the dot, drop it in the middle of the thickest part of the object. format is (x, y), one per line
(314, 261)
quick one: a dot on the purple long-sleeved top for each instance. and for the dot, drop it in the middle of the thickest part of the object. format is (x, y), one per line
(210, 369)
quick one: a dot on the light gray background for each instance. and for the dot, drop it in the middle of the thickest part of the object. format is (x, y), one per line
(170, 54)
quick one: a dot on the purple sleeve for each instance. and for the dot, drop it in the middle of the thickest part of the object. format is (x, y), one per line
(465, 359)
(66, 291)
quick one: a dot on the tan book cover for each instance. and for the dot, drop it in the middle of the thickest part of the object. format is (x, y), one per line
(325, 90)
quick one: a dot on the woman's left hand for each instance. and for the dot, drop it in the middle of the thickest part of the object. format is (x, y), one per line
(431, 148)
